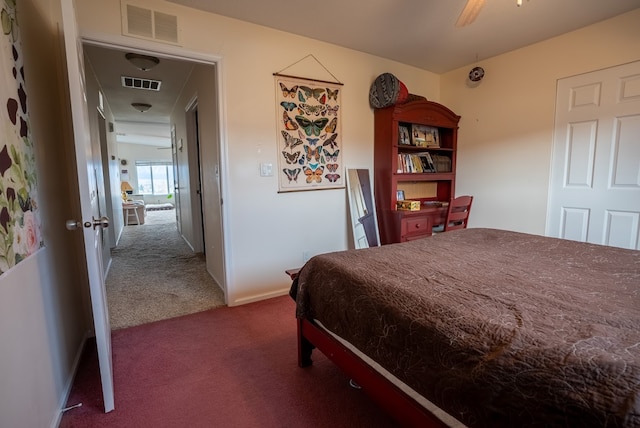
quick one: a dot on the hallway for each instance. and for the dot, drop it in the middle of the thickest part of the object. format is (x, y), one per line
(154, 275)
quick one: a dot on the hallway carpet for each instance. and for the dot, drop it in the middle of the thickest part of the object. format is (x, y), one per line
(227, 367)
(154, 275)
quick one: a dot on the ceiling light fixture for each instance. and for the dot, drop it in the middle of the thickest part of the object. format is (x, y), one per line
(142, 62)
(141, 107)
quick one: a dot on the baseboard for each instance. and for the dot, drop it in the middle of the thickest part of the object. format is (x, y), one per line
(187, 242)
(106, 271)
(258, 297)
(119, 236)
(67, 388)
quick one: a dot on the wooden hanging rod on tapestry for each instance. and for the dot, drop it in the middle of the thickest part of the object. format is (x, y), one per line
(310, 80)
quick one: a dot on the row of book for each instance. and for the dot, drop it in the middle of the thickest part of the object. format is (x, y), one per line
(423, 162)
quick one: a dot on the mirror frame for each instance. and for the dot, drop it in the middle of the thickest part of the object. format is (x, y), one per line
(362, 208)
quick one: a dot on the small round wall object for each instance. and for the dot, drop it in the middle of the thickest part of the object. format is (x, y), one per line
(476, 74)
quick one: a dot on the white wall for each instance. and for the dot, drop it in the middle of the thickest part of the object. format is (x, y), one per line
(268, 232)
(43, 302)
(506, 130)
(201, 86)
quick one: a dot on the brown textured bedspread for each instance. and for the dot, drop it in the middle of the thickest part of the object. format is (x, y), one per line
(497, 328)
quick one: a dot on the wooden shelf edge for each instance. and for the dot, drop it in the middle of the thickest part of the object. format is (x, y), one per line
(431, 176)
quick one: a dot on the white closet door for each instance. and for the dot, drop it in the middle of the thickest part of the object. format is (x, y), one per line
(595, 173)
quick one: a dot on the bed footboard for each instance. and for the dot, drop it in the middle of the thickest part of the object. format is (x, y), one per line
(388, 396)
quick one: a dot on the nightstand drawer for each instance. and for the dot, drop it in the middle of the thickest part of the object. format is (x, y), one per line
(416, 227)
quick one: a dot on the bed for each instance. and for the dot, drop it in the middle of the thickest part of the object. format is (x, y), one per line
(481, 327)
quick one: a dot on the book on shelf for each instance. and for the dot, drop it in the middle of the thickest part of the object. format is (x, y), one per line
(416, 163)
(432, 166)
(442, 163)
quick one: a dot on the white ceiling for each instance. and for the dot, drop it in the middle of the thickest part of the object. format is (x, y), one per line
(421, 33)
(131, 126)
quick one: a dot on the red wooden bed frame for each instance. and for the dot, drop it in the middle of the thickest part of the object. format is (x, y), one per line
(383, 392)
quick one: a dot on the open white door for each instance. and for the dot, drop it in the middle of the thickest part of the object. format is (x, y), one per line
(91, 224)
(595, 177)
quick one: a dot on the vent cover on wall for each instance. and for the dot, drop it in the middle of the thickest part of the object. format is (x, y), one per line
(149, 24)
(139, 83)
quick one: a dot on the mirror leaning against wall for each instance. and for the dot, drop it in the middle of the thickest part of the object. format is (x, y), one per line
(362, 209)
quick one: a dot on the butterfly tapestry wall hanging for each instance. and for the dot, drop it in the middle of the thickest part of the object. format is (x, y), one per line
(308, 124)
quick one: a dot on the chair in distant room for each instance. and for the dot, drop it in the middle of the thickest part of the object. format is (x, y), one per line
(457, 214)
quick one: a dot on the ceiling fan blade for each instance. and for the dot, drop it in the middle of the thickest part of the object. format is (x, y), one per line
(470, 12)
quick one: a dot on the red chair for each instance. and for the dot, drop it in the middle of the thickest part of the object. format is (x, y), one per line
(458, 213)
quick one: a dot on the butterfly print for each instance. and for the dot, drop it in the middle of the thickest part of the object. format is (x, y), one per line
(291, 158)
(313, 175)
(313, 141)
(331, 141)
(332, 167)
(323, 99)
(288, 106)
(315, 93)
(332, 177)
(290, 141)
(288, 92)
(301, 98)
(332, 125)
(312, 127)
(311, 110)
(292, 174)
(288, 122)
(314, 166)
(313, 153)
(332, 110)
(331, 157)
(332, 94)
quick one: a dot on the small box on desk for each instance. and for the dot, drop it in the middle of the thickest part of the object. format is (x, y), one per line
(408, 205)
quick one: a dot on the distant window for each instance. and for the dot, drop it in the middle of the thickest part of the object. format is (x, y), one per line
(154, 178)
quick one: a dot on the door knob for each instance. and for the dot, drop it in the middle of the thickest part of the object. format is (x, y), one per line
(102, 222)
(72, 224)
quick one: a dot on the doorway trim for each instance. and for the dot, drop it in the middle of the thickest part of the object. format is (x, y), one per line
(153, 48)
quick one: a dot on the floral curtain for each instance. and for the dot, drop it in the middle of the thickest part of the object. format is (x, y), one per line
(19, 217)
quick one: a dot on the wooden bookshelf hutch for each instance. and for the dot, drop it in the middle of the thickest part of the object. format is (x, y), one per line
(391, 170)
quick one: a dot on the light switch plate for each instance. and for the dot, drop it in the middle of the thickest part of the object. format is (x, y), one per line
(266, 169)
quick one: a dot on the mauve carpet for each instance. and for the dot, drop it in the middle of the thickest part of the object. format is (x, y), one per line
(225, 367)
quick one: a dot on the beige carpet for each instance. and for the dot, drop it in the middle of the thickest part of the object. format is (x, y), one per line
(154, 275)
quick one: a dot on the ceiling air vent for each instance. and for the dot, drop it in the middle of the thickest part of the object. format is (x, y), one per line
(149, 24)
(166, 27)
(138, 83)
